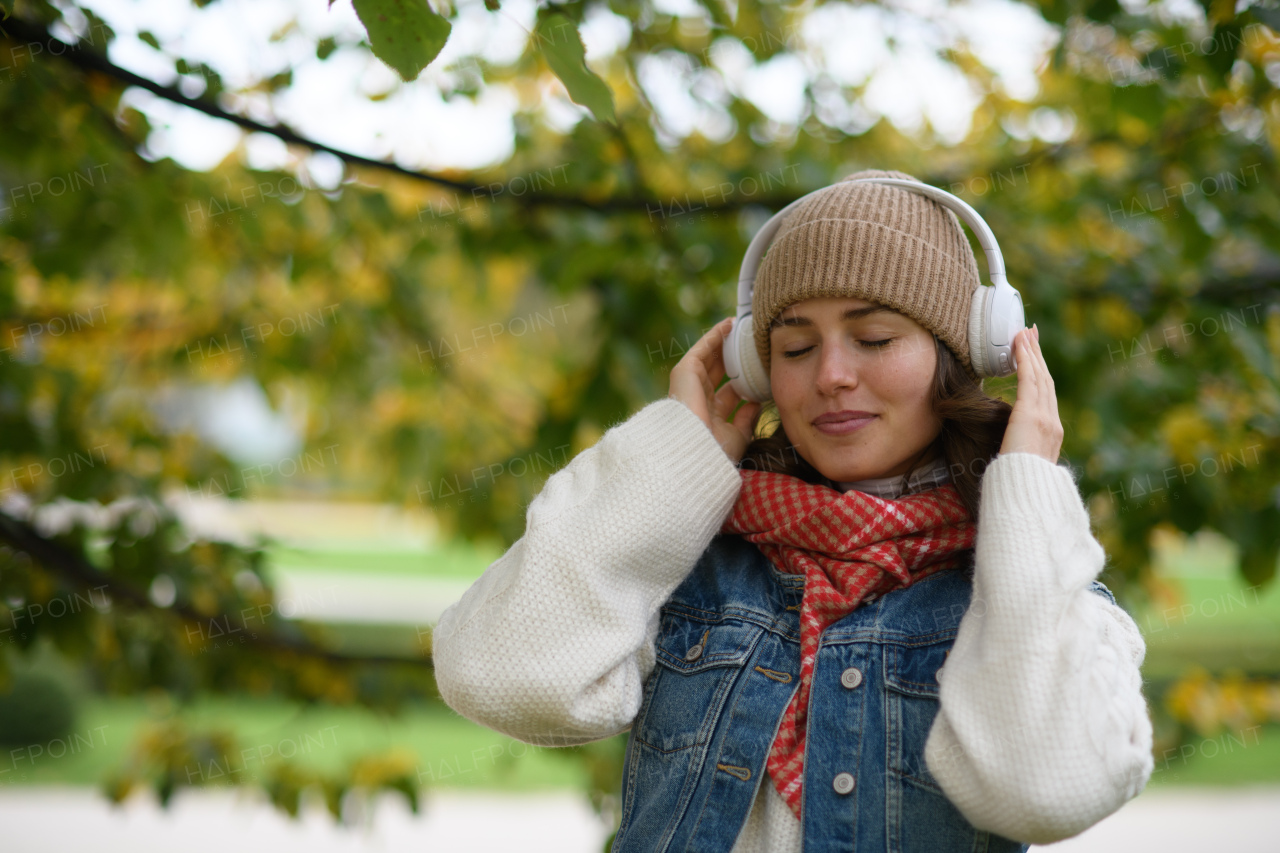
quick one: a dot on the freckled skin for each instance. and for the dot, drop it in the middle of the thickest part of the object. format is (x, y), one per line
(839, 363)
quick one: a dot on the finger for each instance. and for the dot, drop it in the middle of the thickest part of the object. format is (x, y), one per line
(1050, 391)
(711, 344)
(1040, 401)
(1040, 369)
(1044, 365)
(1026, 352)
(1031, 346)
(704, 360)
(1023, 355)
(709, 349)
(745, 420)
(1026, 365)
(725, 399)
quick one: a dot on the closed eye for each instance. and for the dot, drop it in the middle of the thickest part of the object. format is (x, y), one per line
(880, 344)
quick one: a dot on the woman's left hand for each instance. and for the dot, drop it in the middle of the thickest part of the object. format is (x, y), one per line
(1034, 426)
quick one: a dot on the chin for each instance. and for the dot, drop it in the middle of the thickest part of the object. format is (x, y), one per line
(842, 472)
(852, 476)
(853, 465)
(847, 463)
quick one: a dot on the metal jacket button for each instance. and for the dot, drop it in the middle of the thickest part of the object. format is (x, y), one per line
(843, 783)
(851, 677)
(693, 653)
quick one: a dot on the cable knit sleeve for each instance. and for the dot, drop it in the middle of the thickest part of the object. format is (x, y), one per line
(552, 645)
(1042, 729)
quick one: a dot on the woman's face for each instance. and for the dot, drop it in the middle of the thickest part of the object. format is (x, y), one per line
(853, 382)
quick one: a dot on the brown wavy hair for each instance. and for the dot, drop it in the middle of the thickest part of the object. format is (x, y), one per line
(973, 425)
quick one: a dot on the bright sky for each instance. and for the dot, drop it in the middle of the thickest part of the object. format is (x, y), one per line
(838, 44)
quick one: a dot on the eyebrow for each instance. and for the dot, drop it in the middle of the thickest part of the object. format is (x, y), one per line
(851, 314)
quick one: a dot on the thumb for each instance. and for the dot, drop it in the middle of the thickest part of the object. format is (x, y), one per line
(745, 419)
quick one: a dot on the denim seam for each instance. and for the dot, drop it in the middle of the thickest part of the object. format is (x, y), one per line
(781, 677)
(679, 664)
(770, 622)
(633, 763)
(691, 785)
(896, 751)
(894, 681)
(693, 833)
(705, 731)
(892, 638)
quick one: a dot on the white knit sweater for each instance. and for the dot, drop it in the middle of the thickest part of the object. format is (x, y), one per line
(1042, 728)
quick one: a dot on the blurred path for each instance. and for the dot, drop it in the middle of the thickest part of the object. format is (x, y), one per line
(1185, 820)
(70, 820)
(370, 599)
(62, 820)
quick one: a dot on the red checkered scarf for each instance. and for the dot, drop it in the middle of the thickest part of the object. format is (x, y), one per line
(847, 545)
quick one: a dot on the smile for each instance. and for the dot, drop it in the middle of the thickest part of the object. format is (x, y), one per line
(842, 423)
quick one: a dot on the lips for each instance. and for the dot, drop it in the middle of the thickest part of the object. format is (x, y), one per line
(837, 417)
(843, 422)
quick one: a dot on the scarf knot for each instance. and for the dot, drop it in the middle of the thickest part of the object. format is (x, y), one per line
(849, 547)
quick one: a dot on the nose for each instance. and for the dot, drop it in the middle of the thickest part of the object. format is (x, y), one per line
(836, 369)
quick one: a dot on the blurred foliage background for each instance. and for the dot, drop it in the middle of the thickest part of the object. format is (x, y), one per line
(434, 334)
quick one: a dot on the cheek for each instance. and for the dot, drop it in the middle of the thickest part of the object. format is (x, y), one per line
(908, 382)
(787, 387)
(783, 379)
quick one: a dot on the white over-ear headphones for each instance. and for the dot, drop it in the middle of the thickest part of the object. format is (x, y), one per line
(995, 315)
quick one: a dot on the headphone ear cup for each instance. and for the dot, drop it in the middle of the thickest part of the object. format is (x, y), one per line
(1004, 320)
(742, 362)
(995, 317)
(978, 331)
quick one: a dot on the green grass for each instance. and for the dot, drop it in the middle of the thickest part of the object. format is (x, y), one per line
(456, 560)
(449, 750)
(1220, 623)
(1250, 757)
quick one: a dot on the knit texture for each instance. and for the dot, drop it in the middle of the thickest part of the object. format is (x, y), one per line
(533, 648)
(845, 545)
(554, 643)
(875, 242)
(1076, 725)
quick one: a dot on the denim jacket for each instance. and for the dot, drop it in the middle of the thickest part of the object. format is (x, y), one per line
(728, 663)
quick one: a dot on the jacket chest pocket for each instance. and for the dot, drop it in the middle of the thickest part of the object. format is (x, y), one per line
(911, 703)
(698, 662)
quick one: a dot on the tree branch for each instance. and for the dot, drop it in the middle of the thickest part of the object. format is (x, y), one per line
(73, 567)
(19, 29)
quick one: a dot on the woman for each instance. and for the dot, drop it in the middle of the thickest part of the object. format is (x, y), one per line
(771, 618)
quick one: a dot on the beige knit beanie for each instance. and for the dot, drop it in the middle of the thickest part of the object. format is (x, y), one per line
(875, 242)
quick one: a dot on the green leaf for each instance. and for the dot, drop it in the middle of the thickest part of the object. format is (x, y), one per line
(324, 47)
(405, 34)
(557, 37)
(148, 37)
(1102, 10)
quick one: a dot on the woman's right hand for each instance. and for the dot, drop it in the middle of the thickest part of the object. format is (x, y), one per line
(693, 382)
